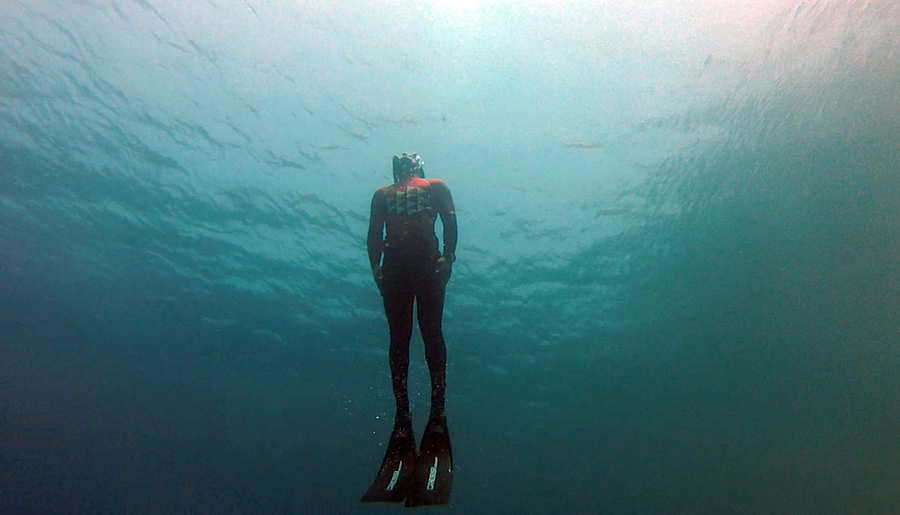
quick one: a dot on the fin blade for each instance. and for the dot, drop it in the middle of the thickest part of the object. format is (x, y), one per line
(433, 477)
(397, 469)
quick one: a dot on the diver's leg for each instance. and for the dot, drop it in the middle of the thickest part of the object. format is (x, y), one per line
(398, 303)
(430, 311)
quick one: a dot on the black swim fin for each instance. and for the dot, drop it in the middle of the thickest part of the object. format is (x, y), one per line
(396, 473)
(434, 467)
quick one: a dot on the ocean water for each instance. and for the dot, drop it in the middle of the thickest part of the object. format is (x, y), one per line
(677, 287)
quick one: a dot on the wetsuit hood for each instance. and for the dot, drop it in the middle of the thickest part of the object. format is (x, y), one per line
(408, 165)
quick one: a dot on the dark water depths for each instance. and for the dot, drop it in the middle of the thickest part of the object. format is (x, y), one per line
(677, 279)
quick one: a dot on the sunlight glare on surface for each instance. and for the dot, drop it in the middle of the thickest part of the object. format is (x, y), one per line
(459, 7)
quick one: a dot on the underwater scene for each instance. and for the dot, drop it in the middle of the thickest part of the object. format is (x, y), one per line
(677, 279)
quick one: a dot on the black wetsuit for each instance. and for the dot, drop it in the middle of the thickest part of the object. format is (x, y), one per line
(406, 212)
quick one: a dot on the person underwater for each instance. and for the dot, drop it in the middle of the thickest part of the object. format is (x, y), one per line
(409, 270)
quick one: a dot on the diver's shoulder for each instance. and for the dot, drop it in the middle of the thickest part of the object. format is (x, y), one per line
(436, 182)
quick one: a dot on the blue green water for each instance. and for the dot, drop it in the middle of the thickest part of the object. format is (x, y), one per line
(677, 287)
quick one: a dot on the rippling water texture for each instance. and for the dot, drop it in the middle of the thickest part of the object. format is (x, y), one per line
(677, 280)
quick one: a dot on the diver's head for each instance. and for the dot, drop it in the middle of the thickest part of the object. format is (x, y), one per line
(408, 165)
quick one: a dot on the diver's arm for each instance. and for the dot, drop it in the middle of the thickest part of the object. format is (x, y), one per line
(448, 220)
(450, 235)
(375, 241)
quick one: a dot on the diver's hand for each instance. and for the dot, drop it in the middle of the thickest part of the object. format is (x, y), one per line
(443, 269)
(378, 275)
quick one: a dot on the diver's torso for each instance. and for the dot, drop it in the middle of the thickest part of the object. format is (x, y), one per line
(409, 222)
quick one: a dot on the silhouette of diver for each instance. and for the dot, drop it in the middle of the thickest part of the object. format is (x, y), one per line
(401, 230)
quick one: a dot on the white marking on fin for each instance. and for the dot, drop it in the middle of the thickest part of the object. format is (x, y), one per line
(395, 477)
(432, 475)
